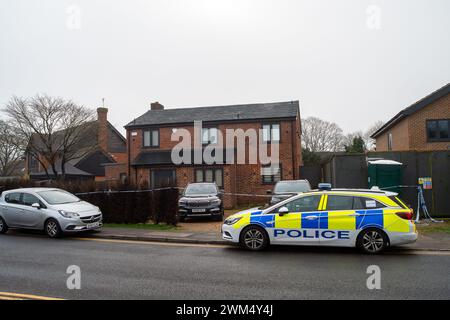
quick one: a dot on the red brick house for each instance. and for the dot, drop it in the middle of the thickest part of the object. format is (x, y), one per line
(423, 126)
(150, 145)
(103, 146)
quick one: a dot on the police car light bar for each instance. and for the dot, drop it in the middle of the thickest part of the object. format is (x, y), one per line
(324, 186)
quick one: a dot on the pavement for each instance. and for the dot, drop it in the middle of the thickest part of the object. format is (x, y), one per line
(205, 232)
(35, 267)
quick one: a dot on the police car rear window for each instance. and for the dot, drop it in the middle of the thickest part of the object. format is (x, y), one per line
(366, 203)
(398, 202)
(339, 202)
(336, 202)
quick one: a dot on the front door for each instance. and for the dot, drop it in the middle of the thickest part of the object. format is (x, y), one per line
(301, 224)
(31, 217)
(162, 178)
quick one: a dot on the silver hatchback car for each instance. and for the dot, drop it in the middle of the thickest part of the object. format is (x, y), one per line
(53, 210)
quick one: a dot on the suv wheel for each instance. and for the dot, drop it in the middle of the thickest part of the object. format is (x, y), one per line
(254, 238)
(52, 228)
(372, 241)
(3, 226)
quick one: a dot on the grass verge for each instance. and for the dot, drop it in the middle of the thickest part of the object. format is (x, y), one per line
(431, 227)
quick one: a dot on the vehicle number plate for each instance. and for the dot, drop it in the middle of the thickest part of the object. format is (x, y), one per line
(198, 210)
(93, 225)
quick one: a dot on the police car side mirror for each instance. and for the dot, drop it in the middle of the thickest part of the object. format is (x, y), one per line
(283, 210)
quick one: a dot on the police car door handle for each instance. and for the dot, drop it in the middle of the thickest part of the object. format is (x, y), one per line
(355, 215)
(312, 217)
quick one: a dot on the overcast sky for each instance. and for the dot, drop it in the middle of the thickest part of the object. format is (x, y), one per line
(349, 61)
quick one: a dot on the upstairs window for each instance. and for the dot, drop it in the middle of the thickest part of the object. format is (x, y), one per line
(151, 138)
(389, 141)
(271, 132)
(209, 135)
(271, 174)
(438, 130)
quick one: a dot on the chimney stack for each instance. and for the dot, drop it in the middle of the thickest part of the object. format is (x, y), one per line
(156, 106)
(102, 120)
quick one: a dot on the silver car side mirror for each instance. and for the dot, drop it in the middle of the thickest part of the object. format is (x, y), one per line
(36, 205)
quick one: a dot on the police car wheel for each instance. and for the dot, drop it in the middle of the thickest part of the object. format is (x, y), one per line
(254, 238)
(3, 226)
(372, 241)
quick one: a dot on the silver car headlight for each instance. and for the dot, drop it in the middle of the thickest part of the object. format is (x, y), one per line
(231, 221)
(68, 214)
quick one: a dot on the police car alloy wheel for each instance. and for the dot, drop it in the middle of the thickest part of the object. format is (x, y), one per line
(254, 238)
(3, 226)
(372, 241)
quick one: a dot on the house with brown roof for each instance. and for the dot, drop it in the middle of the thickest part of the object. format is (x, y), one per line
(423, 126)
(150, 146)
(101, 145)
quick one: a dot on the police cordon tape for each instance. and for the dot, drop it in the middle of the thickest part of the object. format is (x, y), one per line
(167, 188)
(420, 202)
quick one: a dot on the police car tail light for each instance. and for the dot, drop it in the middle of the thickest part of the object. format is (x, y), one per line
(405, 215)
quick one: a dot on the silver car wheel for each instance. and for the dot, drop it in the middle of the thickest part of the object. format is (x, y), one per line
(2, 225)
(373, 241)
(52, 228)
(253, 239)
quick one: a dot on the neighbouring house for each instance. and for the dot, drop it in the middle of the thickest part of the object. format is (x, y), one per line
(423, 126)
(103, 148)
(150, 145)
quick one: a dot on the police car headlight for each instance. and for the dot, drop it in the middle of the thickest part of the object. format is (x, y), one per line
(231, 221)
(67, 214)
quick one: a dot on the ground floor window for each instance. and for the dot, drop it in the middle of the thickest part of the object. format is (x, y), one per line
(209, 175)
(271, 174)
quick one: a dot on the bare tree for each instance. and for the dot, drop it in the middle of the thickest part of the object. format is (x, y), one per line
(319, 135)
(370, 143)
(56, 130)
(11, 149)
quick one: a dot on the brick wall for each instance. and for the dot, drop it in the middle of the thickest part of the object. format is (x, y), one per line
(237, 178)
(440, 109)
(410, 134)
(400, 137)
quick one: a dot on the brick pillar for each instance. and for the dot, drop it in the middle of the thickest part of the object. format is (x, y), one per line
(102, 118)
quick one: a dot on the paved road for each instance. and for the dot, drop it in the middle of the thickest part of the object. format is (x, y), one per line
(33, 264)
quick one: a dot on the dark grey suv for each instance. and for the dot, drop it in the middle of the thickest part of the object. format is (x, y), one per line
(201, 200)
(288, 188)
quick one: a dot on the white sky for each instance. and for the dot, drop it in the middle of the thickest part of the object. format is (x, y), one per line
(213, 52)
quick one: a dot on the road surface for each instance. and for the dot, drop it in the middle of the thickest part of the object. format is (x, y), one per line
(110, 269)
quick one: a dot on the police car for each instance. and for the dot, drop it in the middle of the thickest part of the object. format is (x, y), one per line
(368, 219)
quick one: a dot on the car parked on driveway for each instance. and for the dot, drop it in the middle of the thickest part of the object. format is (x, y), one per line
(288, 188)
(52, 210)
(201, 200)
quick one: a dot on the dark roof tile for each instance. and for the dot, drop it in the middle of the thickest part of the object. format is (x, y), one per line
(218, 113)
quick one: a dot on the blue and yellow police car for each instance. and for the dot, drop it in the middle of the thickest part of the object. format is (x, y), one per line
(368, 219)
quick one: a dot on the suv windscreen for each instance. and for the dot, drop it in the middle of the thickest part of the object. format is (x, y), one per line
(197, 189)
(58, 197)
(292, 186)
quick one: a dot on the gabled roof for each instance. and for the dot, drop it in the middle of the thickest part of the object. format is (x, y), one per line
(241, 112)
(419, 105)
